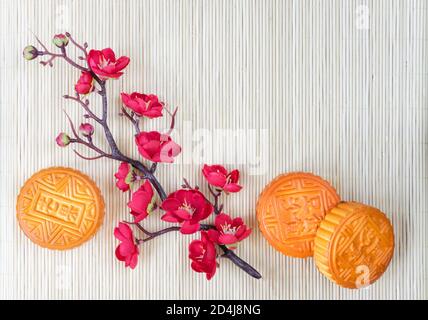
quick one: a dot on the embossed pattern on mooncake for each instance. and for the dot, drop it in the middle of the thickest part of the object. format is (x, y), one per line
(354, 245)
(59, 208)
(290, 210)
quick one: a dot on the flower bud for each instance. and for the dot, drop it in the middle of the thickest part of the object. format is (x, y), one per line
(60, 40)
(86, 129)
(85, 84)
(30, 53)
(62, 140)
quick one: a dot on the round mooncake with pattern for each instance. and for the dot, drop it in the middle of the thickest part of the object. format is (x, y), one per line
(59, 208)
(354, 245)
(290, 210)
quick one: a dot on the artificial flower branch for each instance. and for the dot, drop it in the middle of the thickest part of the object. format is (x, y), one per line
(152, 235)
(83, 47)
(85, 105)
(227, 253)
(116, 154)
(187, 206)
(89, 143)
(53, 56)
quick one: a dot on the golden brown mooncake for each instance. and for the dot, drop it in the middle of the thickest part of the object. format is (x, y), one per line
(290, 209)
(59, 208)
(354, 245)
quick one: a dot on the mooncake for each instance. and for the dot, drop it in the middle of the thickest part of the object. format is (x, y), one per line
(290, 209)
(354, 245)
(59, 208)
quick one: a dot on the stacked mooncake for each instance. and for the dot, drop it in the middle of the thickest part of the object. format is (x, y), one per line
(301, 215)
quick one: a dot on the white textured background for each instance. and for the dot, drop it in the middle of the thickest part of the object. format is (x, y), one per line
(339, 95)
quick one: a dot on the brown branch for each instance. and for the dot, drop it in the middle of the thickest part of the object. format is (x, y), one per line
(82, 48)
(62, 55)
(85, 106)
(172, 125)
(88, 158)
(130, 117)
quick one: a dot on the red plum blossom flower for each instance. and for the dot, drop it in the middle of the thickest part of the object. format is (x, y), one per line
(228, 231)
(105, 65)
(203, 255)
(127, 251)
(147, 105)
(218, 176)
(142, 202)
(157, 147)
(187, 207)
(124, 176)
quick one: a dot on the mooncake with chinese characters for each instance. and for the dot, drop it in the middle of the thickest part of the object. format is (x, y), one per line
(59, 208)
(290, 210)
(354, 245)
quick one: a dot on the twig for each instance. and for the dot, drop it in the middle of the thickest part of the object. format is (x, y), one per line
(88, 158)
(186, 184)
(53, 56)
(152, 235)
(217, 209)
(153, 167)
(229, 254)
(82, 48)
(172, 125)
(79, 140)
(85, 106)
(135, 122)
